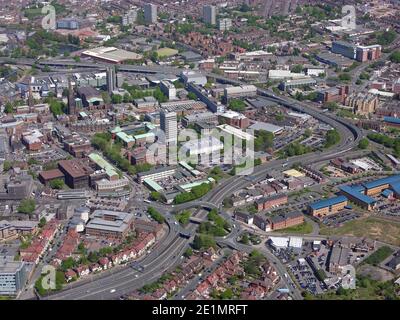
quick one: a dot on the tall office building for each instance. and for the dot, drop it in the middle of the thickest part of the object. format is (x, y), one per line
(150, 13)
(31, 100)
(111, 80)
(169, 124)
(270, 8)
(71, 100)
(210, 14)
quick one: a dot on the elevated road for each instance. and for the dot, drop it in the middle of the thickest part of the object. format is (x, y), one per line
(167, 253)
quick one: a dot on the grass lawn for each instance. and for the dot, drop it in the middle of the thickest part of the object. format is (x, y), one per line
(366, 289)
(166, 52)
(379, 255)
(304, 228)
(33, 13)
(370, 227)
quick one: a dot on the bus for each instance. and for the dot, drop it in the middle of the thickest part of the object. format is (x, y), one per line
(185, 235)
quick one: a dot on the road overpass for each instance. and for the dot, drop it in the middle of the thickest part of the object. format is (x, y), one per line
(168, 252)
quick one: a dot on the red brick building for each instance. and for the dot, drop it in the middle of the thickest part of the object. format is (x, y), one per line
(286, 220)
(269, 202)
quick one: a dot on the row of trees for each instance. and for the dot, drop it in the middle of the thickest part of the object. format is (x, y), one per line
(133, 93)
(195, 193)
(157, 216)
(295, 149)
(386, 141)
(112, 151)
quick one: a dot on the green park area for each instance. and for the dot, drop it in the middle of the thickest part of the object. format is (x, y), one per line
(379, 256)
(304, 228)
(366, 289)
(166, 52)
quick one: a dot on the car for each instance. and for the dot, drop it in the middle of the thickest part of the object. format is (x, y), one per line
(112, 290)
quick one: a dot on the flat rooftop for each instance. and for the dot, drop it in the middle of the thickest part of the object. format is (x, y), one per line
(111, 54)
(328, 202)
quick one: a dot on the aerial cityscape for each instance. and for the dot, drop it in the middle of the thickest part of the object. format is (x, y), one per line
(200, 150)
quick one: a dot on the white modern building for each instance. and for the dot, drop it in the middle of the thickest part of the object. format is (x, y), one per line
(111, 80)
(203, 146)
(13, 276)
(157, 174)
(130, 17)
(193, 77)
(284, 74)
(110, 185)
(236, 132)
(315, 71)
(240, 91)
(168, 89)
(224, 24)
(169, 124)
(278, 243)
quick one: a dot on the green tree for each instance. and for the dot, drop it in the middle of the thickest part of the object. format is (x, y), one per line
(188, 253)
(345, 77)
(32, 161)
(298, 68)
(332, 137)
(42, 222)
(237, 105)
(27, 206)
(227, 294)
(192, 96)
(245, 239)
(203, 241)
(7, 165)
(395, 57)
(157, 216)
(57, 184)
(363, 144)
(9, 108)
(331, 106)
(68, 263)
(156, 196)
(183, 217)
(127, 97)
(308, 133)
(116, 98)
(385, 38)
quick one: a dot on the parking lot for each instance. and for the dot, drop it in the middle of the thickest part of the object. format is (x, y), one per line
(50, 154)
(305, 277)
(340, 218)
(98, 203)
(390, 209)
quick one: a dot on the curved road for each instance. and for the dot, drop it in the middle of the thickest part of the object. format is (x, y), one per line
(169, 251)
